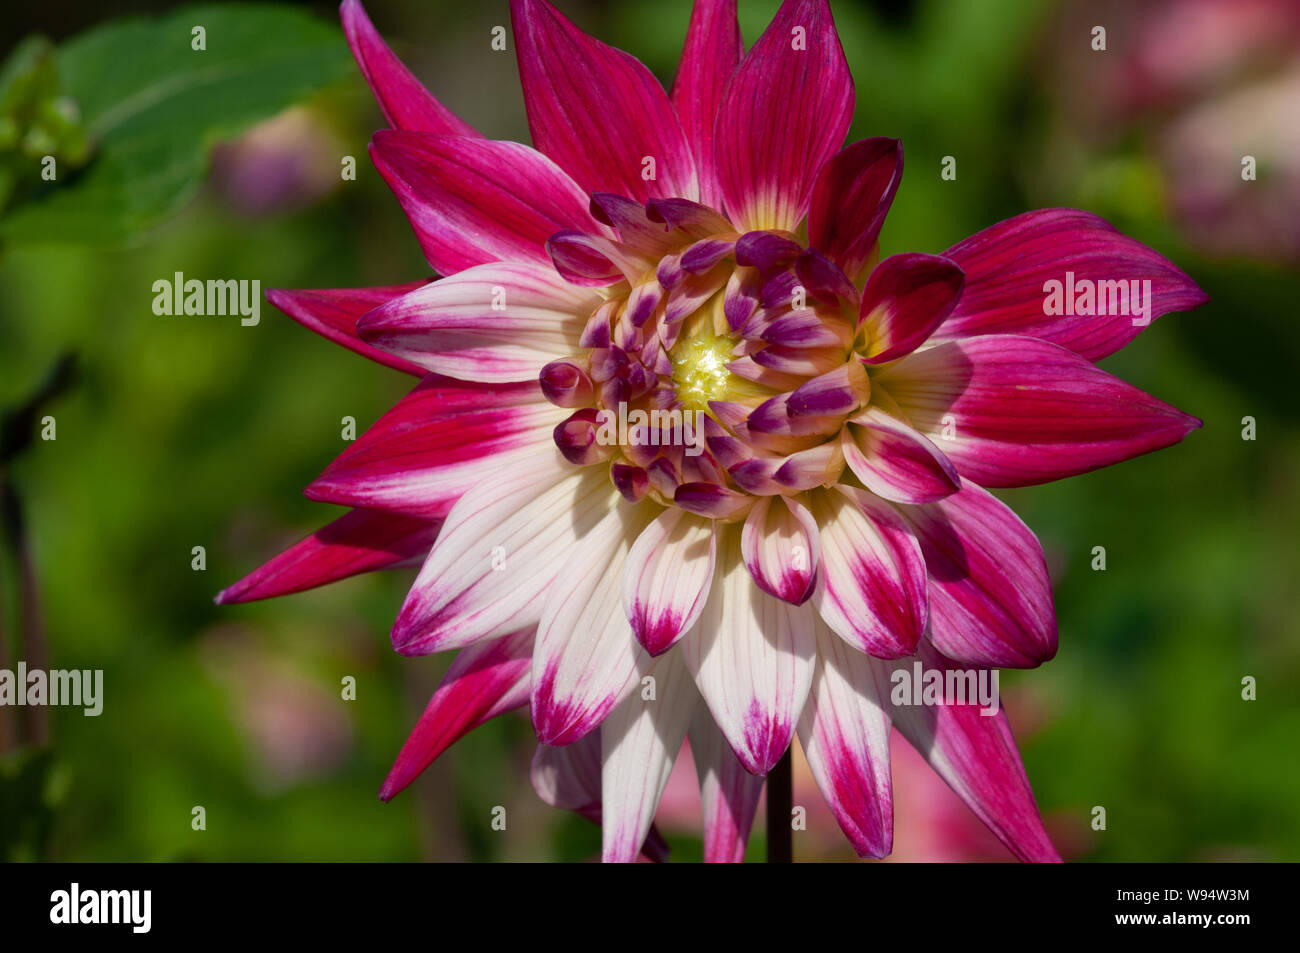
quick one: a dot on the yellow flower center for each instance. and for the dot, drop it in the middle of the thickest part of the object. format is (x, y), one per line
(700, 357)
(700, 370)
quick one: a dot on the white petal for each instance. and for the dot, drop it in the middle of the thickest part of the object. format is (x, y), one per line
(587, 658)
(568, 777)
(782, 548)
(752, 658)
(639, 741)
(728, 793)
(666, 578)
(495, 323)
(502, 546)
(844, 732)
(872, 588)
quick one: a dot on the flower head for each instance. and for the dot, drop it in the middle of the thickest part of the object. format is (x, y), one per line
(688, 458)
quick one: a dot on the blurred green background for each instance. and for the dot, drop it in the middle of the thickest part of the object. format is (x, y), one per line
(184, 432)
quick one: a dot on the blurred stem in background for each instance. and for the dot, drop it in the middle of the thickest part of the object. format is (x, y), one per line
(18, 426)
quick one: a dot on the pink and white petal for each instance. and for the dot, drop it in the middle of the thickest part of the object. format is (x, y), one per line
(990, 595)
(750, 370)
(806, 328)
(642, 303)
(362, 541)
(437, 442)
(568, 776)
(484, 681)
(756, 475)
(593, 261)
(822, 465)
(774, 416)
(493, 324)
(404, 100)
(1015, 411)
(729, 794)
(655, 849)
(850, 200)
(639, 742)
(711, 500)
(597, 111)
(782, 548)
(742, 297)
(587, 659)
(906, 298)
(752, 658)
(800, 361)
(785, 111)
(667, 577)
(894, 461)
(476, 201)
(824, 280)
(767, 251)
(976, 755)
(657, 227)
(693, 220)
(501, 549)
(690, 295)
(1008, 267)
(713, 49)
(838, 392)
(844, 732)
(333, 314)
(872, 588)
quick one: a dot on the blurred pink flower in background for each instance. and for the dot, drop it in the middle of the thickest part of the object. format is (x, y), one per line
(298, 728)
(1215, 81)
(279, 165)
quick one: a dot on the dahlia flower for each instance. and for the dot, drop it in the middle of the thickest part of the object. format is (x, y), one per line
(711, 255)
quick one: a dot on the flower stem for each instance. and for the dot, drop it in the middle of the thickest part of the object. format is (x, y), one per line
(780, 803)
(18, 428)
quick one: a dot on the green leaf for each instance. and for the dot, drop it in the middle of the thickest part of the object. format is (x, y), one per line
(153, 107)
